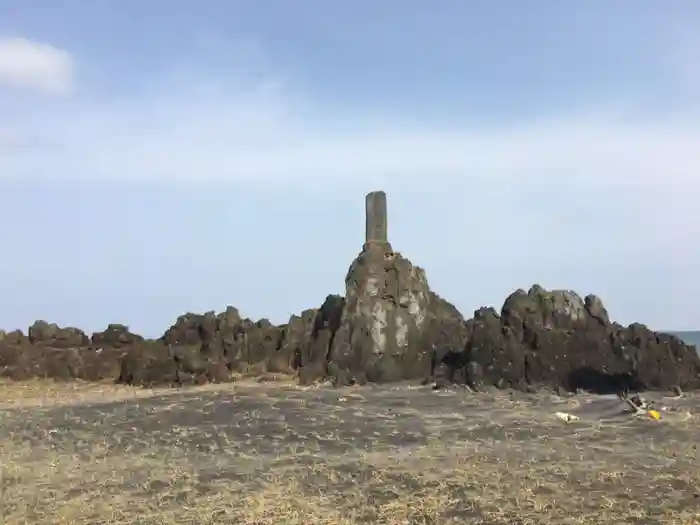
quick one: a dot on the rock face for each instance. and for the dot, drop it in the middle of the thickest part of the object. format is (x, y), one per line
(389, 326)
(544, 338)
(210, 347)
(54, 352)
(390, 321)
(117, 336)
(382, 326)
(320, 328)
(50, 334)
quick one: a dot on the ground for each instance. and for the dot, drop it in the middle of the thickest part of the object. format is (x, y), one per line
(276, 453)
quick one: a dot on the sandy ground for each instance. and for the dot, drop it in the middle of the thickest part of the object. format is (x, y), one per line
(271, 453)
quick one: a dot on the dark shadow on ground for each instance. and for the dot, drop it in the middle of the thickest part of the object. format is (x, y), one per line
(598, 382)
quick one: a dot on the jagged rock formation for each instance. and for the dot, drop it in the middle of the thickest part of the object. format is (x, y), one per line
(117, 336)
(55, 352)
(50, 334)
(558, 339)
(540, 338)
(208, 347)
(389, 326)
(390, 320)
(380, 337)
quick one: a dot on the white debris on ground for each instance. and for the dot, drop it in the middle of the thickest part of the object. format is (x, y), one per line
(566, 417)
(618, 408)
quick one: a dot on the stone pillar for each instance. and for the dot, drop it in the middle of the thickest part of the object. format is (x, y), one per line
(376, 218)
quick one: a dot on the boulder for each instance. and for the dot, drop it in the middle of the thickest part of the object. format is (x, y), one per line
(208, 348)
(297, 336)
(556, 339)
(320, 328)
(26, 361)
(116, 336)
(384, 318)
(445, 337)
(15, 337)
(50, 334)
(192, 329)
(493, 353)
(152, 364)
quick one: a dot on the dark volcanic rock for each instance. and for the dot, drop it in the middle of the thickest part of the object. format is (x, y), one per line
(155, 363)
(152, 364)
(313, 354)
(383, 319)
(557, 339)
(446, 327)
(16, 337)
(50, 334)
(493, 352)
(259, 347)
(445, 336)
(208, 347)
(390, 325)
(117, 336)
(26, 361)
(297, 336)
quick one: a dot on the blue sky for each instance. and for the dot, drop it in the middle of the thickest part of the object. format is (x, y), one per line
(160, 157)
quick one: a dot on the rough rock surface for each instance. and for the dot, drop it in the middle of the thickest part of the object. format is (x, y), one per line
(208, 347)
(389, 326)
(314, 351)
(50, 334)
(116, 335)
(58, 353)
(555, 338)
(376, 333)
(384, 318)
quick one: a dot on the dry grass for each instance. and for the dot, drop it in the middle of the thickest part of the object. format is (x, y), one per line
(50, 393)
(263, 454)
(42, 393)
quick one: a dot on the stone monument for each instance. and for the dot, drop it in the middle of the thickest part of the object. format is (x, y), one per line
(386, 302)
(376, 222)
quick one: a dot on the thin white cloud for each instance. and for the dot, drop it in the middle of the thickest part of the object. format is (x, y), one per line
(35, 66)
(211, 130)
(185, 136)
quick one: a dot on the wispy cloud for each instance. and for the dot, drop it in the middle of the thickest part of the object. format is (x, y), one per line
(199, 128)
(35, 66)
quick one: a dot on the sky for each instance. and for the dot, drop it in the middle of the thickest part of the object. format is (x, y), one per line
(162, 157)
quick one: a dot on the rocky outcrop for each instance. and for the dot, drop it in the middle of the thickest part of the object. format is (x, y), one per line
(389, 326)
(117, 336)
(211, 347)
(16, 337)
(555, 338)
(314, 351)
(383, 322)
(50, 334)
(58, 353)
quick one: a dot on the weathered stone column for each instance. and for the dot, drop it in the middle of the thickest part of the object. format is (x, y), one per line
(382, 328)
(376, 218)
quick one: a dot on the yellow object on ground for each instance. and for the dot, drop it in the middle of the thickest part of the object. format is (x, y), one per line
(654, 414)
